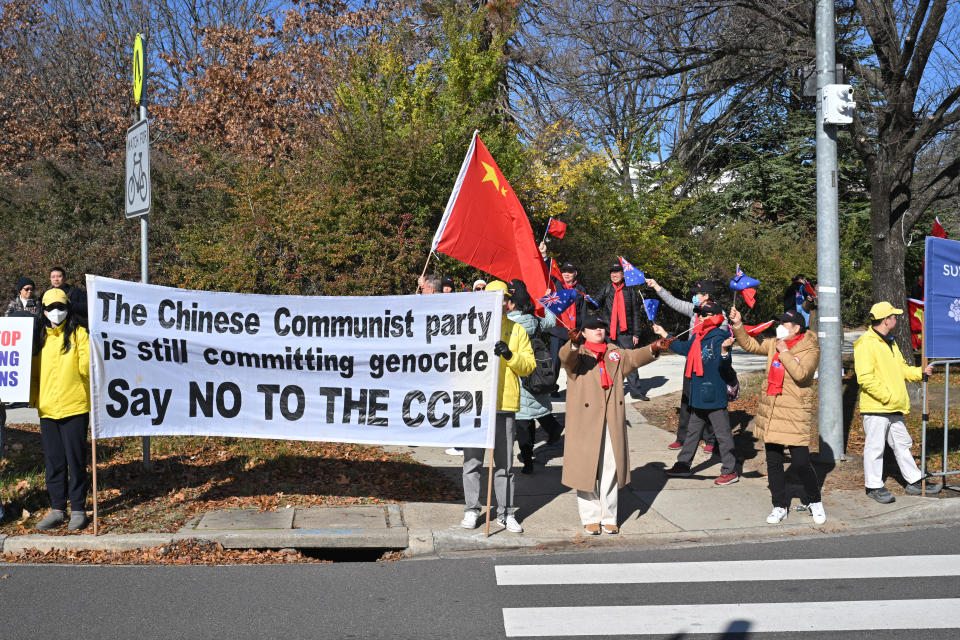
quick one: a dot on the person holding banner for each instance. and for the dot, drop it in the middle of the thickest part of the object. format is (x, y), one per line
(596, 453)
(882, 374)
(60, 391)
(517, 360)
(785, 412)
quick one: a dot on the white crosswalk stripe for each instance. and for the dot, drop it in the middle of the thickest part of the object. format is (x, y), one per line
(753, 617)
(797, 569)
(741, 617)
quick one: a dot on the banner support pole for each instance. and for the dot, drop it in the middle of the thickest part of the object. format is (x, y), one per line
(96, 518)
(489, 490)
(924, 416)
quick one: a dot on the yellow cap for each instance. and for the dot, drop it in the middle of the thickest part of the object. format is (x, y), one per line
(498, 285)
(883, 309)
(53, 296)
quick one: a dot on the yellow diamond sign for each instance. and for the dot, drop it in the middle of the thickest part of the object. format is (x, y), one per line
(137, 69)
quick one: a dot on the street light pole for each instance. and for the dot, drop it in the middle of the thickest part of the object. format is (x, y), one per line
(830, 329)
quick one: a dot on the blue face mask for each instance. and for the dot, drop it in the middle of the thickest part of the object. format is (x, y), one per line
(695, 299)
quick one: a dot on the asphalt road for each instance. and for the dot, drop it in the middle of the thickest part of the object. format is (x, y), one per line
(722, 590)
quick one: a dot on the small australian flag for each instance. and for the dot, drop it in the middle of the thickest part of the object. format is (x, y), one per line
(558, 301)
(632, 275)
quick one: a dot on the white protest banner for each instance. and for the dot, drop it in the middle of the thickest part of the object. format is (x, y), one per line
(16, 354)
(406, 370)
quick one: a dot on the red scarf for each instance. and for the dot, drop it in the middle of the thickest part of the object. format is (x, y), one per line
(618, 315)
(777, 371)
(569, 315)
(694, 356)
(599, 350)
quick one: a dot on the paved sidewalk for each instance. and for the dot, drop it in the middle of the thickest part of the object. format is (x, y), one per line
(655, 509)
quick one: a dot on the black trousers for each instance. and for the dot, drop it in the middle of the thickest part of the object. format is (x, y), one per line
(800, 457)
(65, 450)
(684, 418)
(526, 431)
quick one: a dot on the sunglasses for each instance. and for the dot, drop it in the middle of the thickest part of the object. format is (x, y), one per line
(57, 306)
(28, 288)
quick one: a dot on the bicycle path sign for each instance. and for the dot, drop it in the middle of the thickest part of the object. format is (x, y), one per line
(138, 196)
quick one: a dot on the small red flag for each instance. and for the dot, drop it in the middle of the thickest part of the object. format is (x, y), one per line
(749, 296)
(555, 272)
(756, 329)
(938, 230)
(485, 226)
(556, 228)
(915, 309)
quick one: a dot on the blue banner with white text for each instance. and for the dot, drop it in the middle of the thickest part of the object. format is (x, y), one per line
(941, 283)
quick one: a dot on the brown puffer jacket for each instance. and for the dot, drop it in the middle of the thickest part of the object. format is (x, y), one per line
(787, 418)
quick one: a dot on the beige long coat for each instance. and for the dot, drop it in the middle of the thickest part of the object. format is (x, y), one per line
(589, 405)
(787, 418)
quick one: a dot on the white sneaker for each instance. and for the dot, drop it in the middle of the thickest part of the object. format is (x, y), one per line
(777, 515)
(511, 524)
(470, 519)
(453, 451)
(816, 510)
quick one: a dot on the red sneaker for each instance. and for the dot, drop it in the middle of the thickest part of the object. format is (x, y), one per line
(708, 448)
(727, 478)
(675, 445)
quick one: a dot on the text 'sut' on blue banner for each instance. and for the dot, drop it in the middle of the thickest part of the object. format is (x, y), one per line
(941, 284)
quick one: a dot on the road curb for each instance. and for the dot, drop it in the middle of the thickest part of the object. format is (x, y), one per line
(432, 543)
(85, 542)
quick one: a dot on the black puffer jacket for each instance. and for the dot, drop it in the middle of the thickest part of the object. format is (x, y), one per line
(632, 303)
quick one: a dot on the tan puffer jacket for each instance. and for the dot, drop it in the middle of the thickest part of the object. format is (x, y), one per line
(787, 418)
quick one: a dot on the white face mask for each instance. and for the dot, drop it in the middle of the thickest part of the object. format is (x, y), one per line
(56, 316)
(782, 332)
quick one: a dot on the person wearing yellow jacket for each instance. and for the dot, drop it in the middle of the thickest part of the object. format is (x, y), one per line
(60, 391)
(881, 374)
(517, 360)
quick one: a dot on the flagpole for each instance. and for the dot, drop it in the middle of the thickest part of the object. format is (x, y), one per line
(424, 273)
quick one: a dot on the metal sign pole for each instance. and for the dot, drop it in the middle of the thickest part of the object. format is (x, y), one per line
(139, 196)
(144, 233)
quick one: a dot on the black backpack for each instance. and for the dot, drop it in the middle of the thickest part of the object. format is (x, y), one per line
(544, 378)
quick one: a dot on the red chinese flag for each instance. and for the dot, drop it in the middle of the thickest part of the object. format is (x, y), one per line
(938, 231)
(756, 329)
(556, 228)
(915, 309)
(485, 226)
(749, 296)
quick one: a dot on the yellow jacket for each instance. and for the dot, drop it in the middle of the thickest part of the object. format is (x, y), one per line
(881, 371)
(522, 363)
(61, 381)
